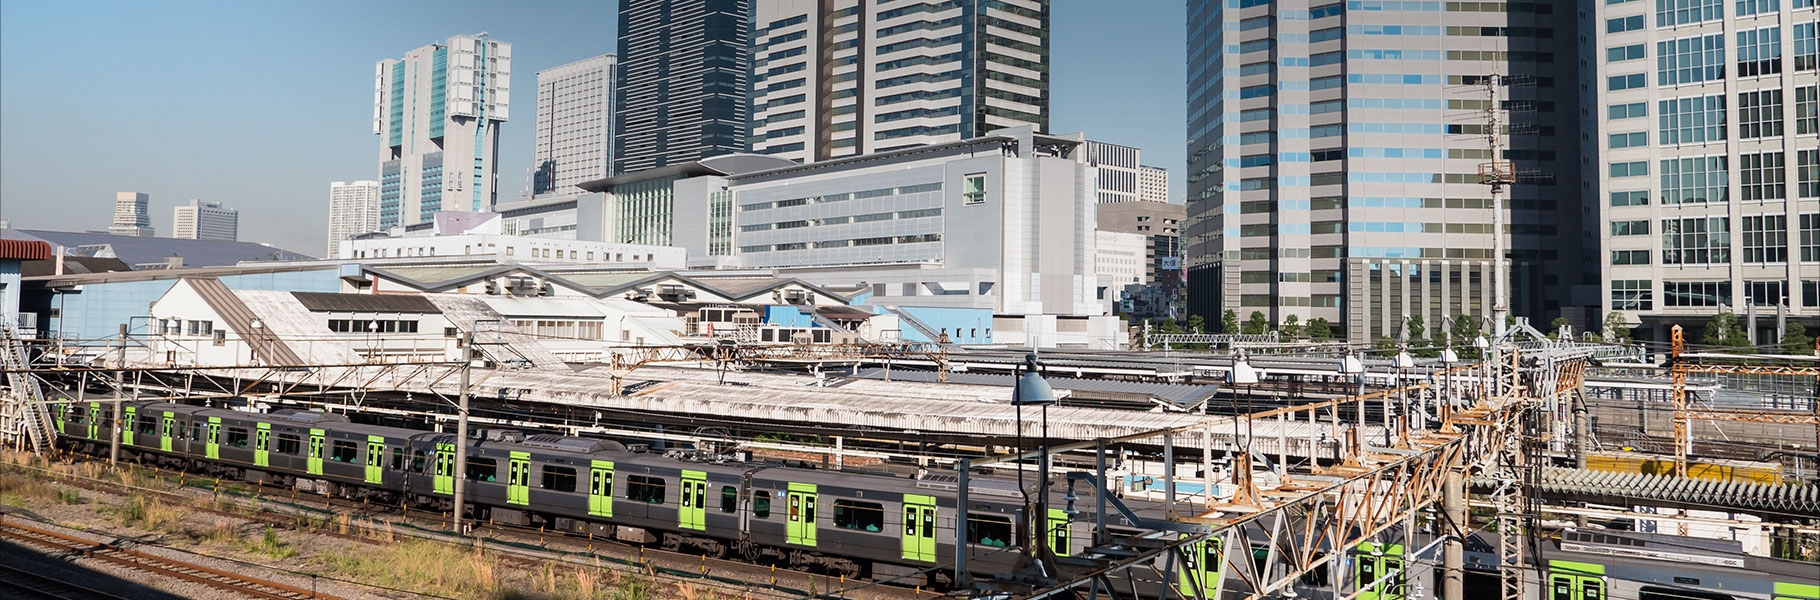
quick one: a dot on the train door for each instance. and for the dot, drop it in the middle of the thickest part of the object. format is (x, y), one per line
(518, 480)
(60, 415)
(445, 469)
(1058, 531)
(691, 514)
(94, 421)
(262, 445)
(800, 530)
(1568, 580)
(315, 462)
(1796, 591)
(1375, 561)
(169, 429)
(214, 441)
(919, 528)
(600, 488)
(375, 458)
(126, 426)
(1203, 569)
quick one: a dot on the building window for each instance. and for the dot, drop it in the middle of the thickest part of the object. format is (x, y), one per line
(1765, 238)
(1630, 257)
(1696, 179)
(1632, 294)
(1810, 240)
(1639, 198)
(1628, 111)
(1807, 47)
(1690, 60)
(973, 189)
(1624, 53)
(1760, 114)
(1751, 7)
(1697, 240)
(1760, 176)
(1623, 24)
(1690, 120)
(1670, 13)
(1760, 51)
(1807, 110)
(1623, 228)
(1625, 82)
(1696, 293)
(1630, 169)
(1807, 173)
(1635, 139)
(1766, 293)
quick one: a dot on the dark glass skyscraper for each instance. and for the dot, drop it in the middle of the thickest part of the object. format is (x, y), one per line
(682, 81)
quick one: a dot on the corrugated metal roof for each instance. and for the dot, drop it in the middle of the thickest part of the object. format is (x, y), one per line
(366, 303)
(432, 276)
(135, 250)
(501, 340)
(302, 330)
(1183, 396)
(24, 249)
(240, 319)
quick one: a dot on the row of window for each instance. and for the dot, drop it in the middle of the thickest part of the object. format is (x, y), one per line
(1640, 294)
(826, 198)
(1706, 179)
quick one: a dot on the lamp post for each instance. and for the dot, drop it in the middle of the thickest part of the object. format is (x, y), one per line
(1448, 359)
(1485, 382)
(1032, 389)
(1404, 363)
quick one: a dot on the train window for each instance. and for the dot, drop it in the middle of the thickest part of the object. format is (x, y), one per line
(989, 530)
(761, 505)
(147, 425)
(561, 479)
(397, 459)
(78, 414)
(862, 516)
(344, 451)
(237, 437)
(1592, 589)
(289, 444)
(196, 431)
(483, 469)
(417, 460)
(645, 489)
(1659, 593)
(729, 499)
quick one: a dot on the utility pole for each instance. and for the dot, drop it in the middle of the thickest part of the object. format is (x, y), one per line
(464, 346)
(113, 443)
(1498, 174)
(1453, 558)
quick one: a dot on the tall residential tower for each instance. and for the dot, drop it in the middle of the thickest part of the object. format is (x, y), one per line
(1334, 155)
(437, 113)
(835, 78)
(1708, 116)
(353, 210)
(683, 66)
(574, 124)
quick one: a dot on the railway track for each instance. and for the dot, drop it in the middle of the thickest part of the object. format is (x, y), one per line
(68, 545)
(23, 584)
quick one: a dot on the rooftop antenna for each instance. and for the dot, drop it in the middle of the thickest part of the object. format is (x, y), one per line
(1499, 174)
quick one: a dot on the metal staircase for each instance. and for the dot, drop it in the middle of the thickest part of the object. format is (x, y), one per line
(24, 418)
(904, 317)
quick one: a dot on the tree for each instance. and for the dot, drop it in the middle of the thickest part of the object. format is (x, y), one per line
(1796, 341)
(1465, 330)
(1170, 326)
(1229, 322)
(1724, 330)
(1291, 329)
(1617, 328)
(1318, 330)
(1415, 328)
(1385, 346)
(1554, 327)
(1257, 323)
(1197, 324)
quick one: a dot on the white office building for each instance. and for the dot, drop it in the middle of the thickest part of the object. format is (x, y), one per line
(437, 113)
(842, 78)
(1115, 171)
(1153, 184)
(200, 220)
(353, 210)
(1708, 123)
(574, 124)
(132, 215)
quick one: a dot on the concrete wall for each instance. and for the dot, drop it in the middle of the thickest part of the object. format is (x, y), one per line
(99, 308)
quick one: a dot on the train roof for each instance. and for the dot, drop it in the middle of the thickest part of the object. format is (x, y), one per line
(1607, 545)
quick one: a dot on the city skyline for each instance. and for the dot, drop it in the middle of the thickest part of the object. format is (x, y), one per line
(1117, 77)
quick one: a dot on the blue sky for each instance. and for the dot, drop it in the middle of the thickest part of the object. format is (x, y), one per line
(259, 105)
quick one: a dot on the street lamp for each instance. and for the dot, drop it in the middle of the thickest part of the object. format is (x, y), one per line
(1032, 389)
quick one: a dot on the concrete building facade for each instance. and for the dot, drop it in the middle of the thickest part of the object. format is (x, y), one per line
(1116, 173)
(353, 210)
(1334, 156)
(1118, 261)
(1153, 184)
(200, 220)
(574, 124)
(132, 215)
(1708, 127)
(847, 78)
(683, 71)
(1161, 225)
(437, 113)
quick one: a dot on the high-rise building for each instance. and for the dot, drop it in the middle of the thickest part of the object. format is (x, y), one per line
(1161, 225)
(353, 210)
(1708, 131)
(200, 220)
(842, 78)
(1335, 151)
(1153, 184)
(1116, 171)
(683, 67)
(132, 215)
(437, 113)
(574, 124)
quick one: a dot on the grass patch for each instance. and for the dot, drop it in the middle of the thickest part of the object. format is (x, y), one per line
(472, 573)
(148, 514)
(268, 544)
